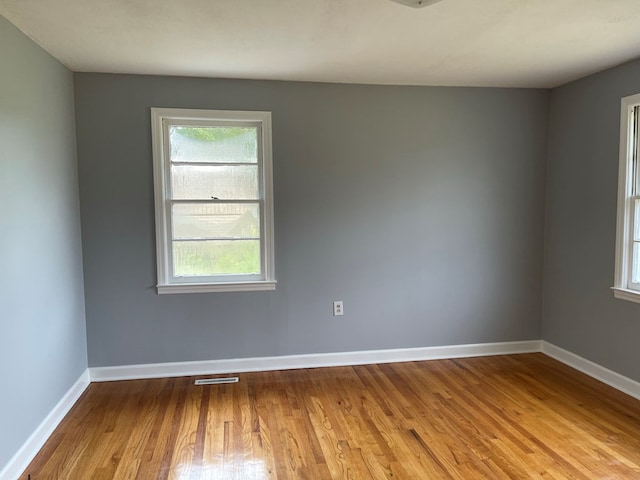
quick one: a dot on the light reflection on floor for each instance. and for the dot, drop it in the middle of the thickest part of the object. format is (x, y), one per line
(249, 470)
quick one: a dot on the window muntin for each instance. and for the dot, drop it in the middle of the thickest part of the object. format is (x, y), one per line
(213, 200)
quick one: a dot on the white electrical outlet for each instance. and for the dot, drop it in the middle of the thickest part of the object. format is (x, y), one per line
(338, 308)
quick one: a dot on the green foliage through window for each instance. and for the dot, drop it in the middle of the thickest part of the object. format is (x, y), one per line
(216, 257)
(212, 134)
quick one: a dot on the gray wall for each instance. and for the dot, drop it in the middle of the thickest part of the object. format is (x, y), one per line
(580, 313)
(42, 325)
(421, 208)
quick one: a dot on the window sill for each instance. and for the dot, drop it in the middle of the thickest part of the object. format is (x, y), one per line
(626, 294)
(216, 287)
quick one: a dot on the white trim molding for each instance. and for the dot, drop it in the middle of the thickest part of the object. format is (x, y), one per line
(23, 457)
(208, 287)
(288, 362)
(170, 281)
(609, 377)
(625, 294)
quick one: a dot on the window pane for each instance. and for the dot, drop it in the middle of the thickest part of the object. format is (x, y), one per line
(193, 221)
(635, 264)
(213, 144)
(636, 219)
(635, 150)
(215, 257)
(206, 182)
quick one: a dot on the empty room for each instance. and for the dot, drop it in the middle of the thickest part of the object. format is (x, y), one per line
(319, 239)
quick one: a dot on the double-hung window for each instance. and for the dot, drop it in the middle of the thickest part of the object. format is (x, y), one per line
(213, 200)
(627, 272)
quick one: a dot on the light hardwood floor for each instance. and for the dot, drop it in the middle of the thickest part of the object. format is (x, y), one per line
(504, 417)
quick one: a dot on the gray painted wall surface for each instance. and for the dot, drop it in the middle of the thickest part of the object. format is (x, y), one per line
(580, 313)
(42, 325)
(421, 208)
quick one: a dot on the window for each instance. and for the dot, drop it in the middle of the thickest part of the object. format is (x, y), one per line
(213, 199)
(627, 275)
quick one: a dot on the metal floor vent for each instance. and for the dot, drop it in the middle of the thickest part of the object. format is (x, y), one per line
(217, 381)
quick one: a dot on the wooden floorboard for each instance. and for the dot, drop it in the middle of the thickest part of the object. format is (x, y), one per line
(503, 417)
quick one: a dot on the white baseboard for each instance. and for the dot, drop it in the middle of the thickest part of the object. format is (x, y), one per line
(34, 443)
(611, 378)
(288, 362)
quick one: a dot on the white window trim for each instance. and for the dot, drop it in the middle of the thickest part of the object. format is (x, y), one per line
(167, 285)
(622, 287)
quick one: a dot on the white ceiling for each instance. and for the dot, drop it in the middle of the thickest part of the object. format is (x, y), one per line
(514, 43)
